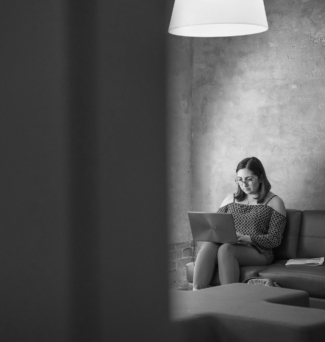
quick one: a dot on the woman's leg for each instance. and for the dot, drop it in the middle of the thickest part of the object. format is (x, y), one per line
(204, 265)
(230, 257)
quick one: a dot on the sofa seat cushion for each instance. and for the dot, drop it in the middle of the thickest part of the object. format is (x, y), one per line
(307, 278)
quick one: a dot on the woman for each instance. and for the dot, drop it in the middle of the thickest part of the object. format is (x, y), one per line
(259, 217)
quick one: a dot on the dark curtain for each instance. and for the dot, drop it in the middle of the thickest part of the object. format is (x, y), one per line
(83, 168)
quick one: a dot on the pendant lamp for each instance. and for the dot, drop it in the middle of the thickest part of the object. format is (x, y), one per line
(218, 18)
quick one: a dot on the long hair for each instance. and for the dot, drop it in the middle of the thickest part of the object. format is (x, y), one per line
(253, 164)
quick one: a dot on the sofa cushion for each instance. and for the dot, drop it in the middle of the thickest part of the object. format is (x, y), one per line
(298, 277)
(312, 234)
(289, 244)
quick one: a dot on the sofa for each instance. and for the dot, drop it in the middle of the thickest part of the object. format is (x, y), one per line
(304, 237)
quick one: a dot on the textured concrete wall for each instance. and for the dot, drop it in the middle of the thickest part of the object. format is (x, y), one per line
(261, 95)
(179, 135)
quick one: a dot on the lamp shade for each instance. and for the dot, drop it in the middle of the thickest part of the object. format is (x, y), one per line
(218, 18)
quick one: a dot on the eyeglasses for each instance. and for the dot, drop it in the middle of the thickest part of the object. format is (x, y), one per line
(248, 180)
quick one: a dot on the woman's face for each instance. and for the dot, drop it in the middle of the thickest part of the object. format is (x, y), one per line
(248, 182)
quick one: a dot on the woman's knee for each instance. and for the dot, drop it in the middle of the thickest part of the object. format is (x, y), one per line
(209, 248)
(226, 249)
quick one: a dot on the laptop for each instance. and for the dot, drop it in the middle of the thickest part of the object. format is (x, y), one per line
(213, 227)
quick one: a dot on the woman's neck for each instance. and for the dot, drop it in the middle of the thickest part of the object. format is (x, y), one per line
(252, 198)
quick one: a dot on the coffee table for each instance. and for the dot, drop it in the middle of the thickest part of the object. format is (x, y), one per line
(245, 313)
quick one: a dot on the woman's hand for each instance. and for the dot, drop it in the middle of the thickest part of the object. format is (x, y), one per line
(244, 238)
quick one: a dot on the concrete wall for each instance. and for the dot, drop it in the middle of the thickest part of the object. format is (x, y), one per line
(261, 95)
(179, 130)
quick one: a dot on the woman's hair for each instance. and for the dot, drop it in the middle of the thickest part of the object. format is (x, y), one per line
(253, 164)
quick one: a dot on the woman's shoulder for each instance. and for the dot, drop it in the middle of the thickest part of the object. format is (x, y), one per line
(275, 202)
(229, 199)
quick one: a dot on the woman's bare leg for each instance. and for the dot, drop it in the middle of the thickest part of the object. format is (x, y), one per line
(204, 265)
(231, 257)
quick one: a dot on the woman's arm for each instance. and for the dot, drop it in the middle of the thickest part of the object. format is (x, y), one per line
(223, 207)
(277, 204)
(277, 224)
(227, 200)
(274, 235)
